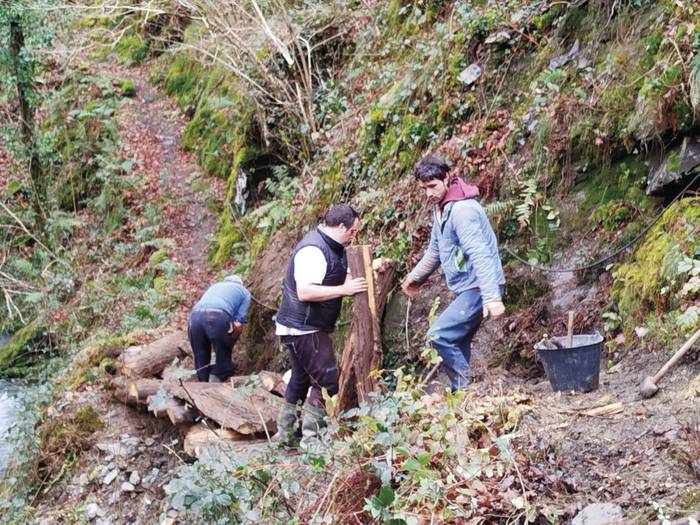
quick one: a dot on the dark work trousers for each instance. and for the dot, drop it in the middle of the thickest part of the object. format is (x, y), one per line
(313, 366)
(207, 329)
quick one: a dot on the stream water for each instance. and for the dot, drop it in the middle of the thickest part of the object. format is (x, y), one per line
(9, 408)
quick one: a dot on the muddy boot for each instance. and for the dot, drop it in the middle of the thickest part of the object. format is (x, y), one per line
(214, 379)
(287, 424)
(311, 425)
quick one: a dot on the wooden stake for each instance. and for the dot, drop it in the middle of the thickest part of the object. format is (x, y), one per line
(570, 330)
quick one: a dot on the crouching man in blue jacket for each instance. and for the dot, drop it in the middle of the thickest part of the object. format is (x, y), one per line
(464, 244)
(216, 321)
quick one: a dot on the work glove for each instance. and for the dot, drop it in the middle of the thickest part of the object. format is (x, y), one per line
(494, 310)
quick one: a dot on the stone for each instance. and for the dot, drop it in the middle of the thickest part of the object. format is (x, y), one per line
(130, 441)
(599, 514)
(672, 169)
(470, 74)
(149, 478)
(499, 37)
(113, 449)
(93, 511)
(149, 442)
(111, 476)
(561, 60)
(134, 478)
(128, 487)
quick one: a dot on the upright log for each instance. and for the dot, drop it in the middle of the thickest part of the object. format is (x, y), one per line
(152, 358)
(362, 353)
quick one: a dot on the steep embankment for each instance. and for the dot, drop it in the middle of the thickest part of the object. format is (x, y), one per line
(563, 114)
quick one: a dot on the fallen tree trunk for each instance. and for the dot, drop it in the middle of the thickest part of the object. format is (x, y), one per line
(362, 353)
(150, 359)
(181, 413)
(176, 373)
(141, 389)
(120, 391)
(245, 410)
(272, 382)
(199, 437)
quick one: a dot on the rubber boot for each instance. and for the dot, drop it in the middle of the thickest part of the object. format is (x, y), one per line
(311, 425)
(214, 379)
(287, 424)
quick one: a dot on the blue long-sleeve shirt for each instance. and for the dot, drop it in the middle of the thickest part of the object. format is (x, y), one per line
(230, 297)
(463, 242)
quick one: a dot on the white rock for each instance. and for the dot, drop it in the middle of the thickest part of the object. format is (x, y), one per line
(111, 475)
(114, 449)
(128, 487)
(641, 331)
(134, 478)
(92, 511)
(470, 74)
(499, 37)
(149, 442)
(599, 514)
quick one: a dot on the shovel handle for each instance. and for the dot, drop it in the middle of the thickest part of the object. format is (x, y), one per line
(570, 330)
(681, 352)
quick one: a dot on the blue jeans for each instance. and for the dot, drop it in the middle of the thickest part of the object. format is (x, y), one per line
(451, 335)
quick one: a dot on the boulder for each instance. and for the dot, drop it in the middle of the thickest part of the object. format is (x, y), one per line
(599, 514)
(674, 167)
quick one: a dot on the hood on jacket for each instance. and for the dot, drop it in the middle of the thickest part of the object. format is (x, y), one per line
(458, 190)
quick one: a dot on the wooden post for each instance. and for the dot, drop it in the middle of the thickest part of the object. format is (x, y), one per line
(362, 353)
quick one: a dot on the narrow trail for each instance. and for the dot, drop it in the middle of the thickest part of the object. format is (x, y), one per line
(150, 131)
(121, 479)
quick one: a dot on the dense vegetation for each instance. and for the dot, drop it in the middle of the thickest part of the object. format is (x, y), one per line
(559, 111)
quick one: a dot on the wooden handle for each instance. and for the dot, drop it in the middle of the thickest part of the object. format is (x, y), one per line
(570, 330)
(681, 352)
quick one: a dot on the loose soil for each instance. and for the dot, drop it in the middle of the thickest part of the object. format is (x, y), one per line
(643, 454)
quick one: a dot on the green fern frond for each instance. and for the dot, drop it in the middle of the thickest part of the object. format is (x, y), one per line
(694, 81)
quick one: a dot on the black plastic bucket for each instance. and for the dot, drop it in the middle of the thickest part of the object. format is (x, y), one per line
(576, 368)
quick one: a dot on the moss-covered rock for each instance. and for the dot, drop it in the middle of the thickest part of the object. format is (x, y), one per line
(132, 49)
(22, 350)
(127, 88)
(649, 282)
(63, 440)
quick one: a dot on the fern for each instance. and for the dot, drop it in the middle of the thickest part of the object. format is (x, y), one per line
(499, 209)
(529, 198)
(694, 81)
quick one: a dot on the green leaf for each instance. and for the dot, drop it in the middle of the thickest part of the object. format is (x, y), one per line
(14, 186)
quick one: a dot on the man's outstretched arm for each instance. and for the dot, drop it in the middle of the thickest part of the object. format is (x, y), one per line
(318, 292)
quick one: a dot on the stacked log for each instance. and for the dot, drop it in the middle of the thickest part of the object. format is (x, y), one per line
(152, 377)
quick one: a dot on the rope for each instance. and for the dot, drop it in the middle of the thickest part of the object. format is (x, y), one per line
(613, 254)
(271, 308)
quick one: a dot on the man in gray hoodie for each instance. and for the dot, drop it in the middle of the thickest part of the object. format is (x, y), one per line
(464, 244)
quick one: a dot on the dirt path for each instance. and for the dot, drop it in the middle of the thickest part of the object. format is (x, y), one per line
(150, 131)
(648, 452)
(121, 479)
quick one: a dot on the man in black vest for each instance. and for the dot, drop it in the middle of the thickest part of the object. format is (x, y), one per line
(317, 280)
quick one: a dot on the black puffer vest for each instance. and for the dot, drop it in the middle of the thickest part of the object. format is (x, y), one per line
(308, 315)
